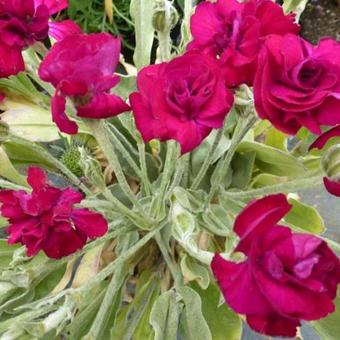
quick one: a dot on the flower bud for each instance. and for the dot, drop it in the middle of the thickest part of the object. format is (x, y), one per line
(70, 158)
(331, 162)
(91, 169)
(165, 16)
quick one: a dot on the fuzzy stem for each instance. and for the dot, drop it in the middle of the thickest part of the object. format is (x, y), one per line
(144, 170)
(99, 131)
(291, 186)
(205, 166)
(176, 274)
(244, 124)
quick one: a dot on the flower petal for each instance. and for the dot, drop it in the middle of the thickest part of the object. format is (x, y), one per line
(90, 223)
(259, 216)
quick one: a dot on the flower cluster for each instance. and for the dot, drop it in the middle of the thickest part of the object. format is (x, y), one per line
(24, 22)
(287, 277)
(46, 218)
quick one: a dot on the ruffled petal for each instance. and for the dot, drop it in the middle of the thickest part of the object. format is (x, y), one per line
(103, 105)
(257, 217)
(36, 178)
(332, 186)
(61, 29)
(90, 223)
(58, 105)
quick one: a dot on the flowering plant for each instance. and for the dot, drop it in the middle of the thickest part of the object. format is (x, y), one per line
(158, 198)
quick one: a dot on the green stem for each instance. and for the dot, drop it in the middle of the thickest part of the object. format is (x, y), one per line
(171, 155)
(100, 322)
(121, 208)
(164, 45)
(109, 269)
(179, 173)
(127, 156)
(11, 186)
(176, 274)
(50, 159)
(244, 124)
(100, 132)
(205, 166)
(144, 170)
(291, 186)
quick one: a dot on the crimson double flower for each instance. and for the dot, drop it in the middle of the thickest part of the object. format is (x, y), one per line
(298, 84)
(21, 24)
(287, 277)
(81, 66)
(47, 220)
(234, 32)
(183, 100)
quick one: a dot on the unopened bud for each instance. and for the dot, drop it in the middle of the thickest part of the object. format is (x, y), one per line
(165, 16)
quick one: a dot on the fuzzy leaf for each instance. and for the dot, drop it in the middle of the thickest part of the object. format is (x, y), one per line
(305, 217)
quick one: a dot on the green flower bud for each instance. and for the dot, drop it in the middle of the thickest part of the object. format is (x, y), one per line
(331, 162)
(70, 158)
(165, 16)
(91, 169)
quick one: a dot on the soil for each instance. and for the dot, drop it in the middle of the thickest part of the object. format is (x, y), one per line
(321, 18)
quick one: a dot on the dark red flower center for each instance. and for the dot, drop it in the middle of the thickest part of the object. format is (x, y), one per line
(186, 96)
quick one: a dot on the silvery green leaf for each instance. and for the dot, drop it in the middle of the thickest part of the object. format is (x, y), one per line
(141, 12)
(194, 271)
(193, 324)
(164, 316)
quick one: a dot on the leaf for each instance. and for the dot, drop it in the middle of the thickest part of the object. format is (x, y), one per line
(263, 180)
(8, 171)
(296, 6)
(329, 328)
(217, 220)
(6, 253)
(193, 324)
(88, 267)
(276, 139)
(193, 271)
(242, 166)
(141, 12)
(221, 320)
(305, 217)
(273, 161)
(164, 316)
(29, 121)
(147, 285)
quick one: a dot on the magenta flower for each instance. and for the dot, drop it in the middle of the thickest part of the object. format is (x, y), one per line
(81, 67)
(21, 24)
(183, 100)
(287, 277)
(234, 32)
(298, 84)
(46, 218)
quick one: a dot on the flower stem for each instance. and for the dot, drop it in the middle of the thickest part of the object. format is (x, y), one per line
(130, 214)
(244, 124)
(176, 274)
(119, 145)
(144, 170)
(170, 159)
(205, 166)
(291, 186)
(99, 131)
